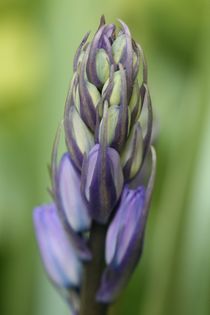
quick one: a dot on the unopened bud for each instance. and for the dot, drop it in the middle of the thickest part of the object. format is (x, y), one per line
(78, 137)
(102, 65)
(119, 48)
(134, 105)
(102, 182)
(112, 121)
(116, 90)
(131, 157)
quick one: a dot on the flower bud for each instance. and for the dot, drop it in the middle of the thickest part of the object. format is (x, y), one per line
(131, 157)
(78, 137)
(89, 98)
(80, 52)
(58, 254)
(124, 241)
(115, 94)
(102, 40)
(125, 222)
(134, 104)
(102, 182)
(70, 196)
(102, 65)
(112, 121)
(119, 48)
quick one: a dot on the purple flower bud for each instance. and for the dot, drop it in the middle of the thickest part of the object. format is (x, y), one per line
(63, 177)
(131, 157)
(125, 226)
(102, 182)
(102, 40)
(79, 138)
(70, 196)
(119, 128)
(59, 256)
(135, 105)
(124, 239)
(89, 97)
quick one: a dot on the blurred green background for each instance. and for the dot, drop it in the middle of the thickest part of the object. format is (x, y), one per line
(37, 42)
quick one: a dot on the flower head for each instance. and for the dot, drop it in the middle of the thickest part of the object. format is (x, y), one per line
(106, 149)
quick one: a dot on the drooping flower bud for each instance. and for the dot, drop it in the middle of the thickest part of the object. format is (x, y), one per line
(132, 154)
(59, 256)
(125, 237)
(102, 182)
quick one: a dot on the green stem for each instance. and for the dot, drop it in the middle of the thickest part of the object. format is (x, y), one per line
(93, 272)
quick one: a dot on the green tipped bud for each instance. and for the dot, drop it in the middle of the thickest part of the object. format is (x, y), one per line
(81, 134)
(118, 48)
(112, 116)
(116, 91)
(131, 157)
(94, 93)
(102, 65)
(134, 104)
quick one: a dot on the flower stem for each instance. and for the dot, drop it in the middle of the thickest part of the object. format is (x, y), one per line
(93, 272)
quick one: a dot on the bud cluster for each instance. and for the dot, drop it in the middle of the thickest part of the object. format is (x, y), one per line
(106, 150)
(102, 115)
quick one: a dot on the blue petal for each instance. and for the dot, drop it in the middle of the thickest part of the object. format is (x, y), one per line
(70, 196)
(59, 256)
(124, 226)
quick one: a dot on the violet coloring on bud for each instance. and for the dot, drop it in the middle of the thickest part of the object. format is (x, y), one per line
(91, 236)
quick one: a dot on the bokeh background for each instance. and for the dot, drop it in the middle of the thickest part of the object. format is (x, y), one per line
(38, 39)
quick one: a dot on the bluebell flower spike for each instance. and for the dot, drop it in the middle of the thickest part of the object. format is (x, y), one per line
(106, 149)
